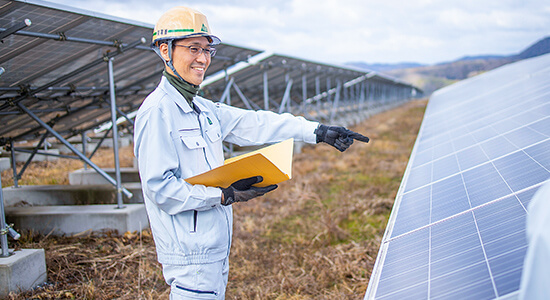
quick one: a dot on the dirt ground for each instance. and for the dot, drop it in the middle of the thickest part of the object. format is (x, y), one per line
(315, 237)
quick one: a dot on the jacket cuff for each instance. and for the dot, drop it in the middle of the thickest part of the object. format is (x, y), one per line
(309, 135)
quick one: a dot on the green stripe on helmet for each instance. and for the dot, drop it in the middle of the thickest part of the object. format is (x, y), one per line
(167, 31)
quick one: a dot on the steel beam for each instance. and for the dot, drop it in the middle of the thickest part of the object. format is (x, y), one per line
(227, 91)
(63, 37)
(3, 232)
(13, 165)
(286, 96)
(336, 101)
(242, 96)
(14, 29)
(304, 92)
(266, 92)
(71, 147)
(115, 133)
(33, 152)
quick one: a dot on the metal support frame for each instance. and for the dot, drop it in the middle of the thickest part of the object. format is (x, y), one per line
(226, 95)
(33, 153)
(336, 101)
(18, 101)
(362, 96)
(246, 102)
(115, 133)
(15, 28)
(317, 92)
(62, 37)
(286, 96)
(13, 165)
(71, 147)
(100, 142)
(304, 93)
(44, 154)
(3, 236)
(120, 112)
(84, 146)
(266, 91)
(5, 229)
(125, 117)
(58, 118)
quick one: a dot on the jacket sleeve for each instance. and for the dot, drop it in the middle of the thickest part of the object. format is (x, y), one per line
(248, 127)
(158, 167)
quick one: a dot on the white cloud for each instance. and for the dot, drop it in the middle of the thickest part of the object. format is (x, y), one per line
(338, 31)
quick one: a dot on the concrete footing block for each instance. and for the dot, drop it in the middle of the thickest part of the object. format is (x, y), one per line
(74, 219)
(22, 156)
(90, 176)
(22, 271)
(46, 195)
(4, 163)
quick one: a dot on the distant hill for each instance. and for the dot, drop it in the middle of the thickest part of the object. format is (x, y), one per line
(432, 77)
(539, 48)
(477, 57)
(384, 67)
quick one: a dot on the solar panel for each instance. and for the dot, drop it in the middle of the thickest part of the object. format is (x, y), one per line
(457, 229)
(32, 59)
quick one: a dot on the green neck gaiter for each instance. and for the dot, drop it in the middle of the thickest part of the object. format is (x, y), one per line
(186, 89)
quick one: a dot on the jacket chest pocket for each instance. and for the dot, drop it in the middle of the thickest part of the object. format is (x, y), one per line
(192, 138)
(193, 142)
(214, 134)
(191, 153)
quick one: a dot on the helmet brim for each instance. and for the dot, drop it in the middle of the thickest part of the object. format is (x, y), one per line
(214, 40)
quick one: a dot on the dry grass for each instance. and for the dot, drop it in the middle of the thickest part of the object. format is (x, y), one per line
(315, 237)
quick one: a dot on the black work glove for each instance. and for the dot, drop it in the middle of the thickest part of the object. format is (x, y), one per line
(339, 137)
(242, 190)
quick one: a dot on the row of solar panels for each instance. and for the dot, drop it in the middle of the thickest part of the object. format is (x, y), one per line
(457, 229)
(56, 67)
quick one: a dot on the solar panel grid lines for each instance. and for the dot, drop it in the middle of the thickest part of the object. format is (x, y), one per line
(488, 82)
(422, 169)
(457, 229)
(515, 87)
(463, 239)
(423, 158)
(523, 203)
(462, 125)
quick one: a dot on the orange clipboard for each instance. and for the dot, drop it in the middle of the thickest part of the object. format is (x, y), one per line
(273, 163)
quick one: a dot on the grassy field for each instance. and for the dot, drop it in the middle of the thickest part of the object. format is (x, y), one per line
(315, 237)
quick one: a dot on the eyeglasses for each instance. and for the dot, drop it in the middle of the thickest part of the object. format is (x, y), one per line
(196, 51)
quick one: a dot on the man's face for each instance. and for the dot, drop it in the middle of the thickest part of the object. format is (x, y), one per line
(190, 67)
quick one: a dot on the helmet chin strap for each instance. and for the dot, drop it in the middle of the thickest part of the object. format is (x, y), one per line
(169, 62)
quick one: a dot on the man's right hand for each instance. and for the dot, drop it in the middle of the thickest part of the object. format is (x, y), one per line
(242, 190)
(338, 137)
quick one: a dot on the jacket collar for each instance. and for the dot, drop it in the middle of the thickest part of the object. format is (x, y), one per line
(179, 99)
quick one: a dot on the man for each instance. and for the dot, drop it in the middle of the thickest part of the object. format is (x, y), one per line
(535, 276)
(178, 135)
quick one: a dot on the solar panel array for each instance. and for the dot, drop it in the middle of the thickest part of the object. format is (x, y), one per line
(457, 229)
(32, 59)
(62, 40)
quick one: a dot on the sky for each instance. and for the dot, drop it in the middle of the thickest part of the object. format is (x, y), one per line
(370, 31)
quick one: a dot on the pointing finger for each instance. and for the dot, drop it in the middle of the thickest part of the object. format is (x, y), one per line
(359, 137)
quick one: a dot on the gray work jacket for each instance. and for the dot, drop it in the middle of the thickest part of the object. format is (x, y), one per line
(173, 141)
